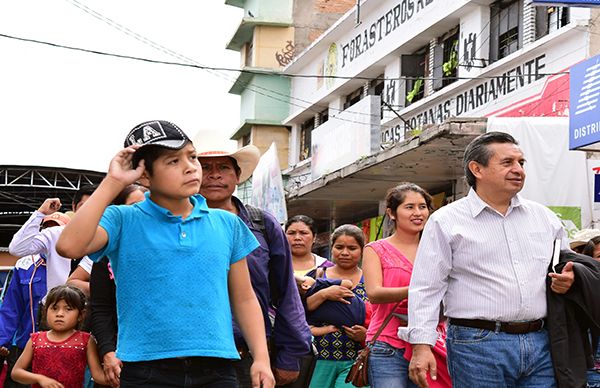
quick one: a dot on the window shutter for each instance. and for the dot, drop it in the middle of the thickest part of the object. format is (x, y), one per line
(412, 65)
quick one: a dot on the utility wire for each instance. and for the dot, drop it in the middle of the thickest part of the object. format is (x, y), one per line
(255, 72)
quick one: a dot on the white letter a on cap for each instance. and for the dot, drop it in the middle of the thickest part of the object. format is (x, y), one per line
(149, 133)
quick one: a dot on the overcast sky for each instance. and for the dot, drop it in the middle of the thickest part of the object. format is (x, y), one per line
(65, 108)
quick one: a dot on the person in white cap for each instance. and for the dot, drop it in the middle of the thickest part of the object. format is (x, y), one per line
(581, 238)
(270, 265)
(30, 240)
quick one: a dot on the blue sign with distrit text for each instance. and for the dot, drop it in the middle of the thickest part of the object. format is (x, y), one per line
(584, 111)
(573, 3)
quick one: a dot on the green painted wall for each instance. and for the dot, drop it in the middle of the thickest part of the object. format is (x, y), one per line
(269, 9)
(257, 106)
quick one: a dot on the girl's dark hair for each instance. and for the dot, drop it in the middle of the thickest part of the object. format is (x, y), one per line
(149, 154)
(121, 198)
(397, 195)
(304, 219)
(588, 250)
(349, 230)
(72, 296)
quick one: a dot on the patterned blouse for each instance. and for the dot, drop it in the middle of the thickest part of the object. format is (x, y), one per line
(337, 346)
(63, 361)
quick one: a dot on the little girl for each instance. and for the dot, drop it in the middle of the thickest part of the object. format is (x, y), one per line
(58, 357)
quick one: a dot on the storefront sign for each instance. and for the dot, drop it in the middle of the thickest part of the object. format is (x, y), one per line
(584, 123)
(380, 28)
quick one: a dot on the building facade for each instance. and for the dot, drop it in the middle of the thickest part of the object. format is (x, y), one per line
(395, 89)
(269, 35)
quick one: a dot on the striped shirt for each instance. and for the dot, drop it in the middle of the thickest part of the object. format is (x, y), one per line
(482, 264)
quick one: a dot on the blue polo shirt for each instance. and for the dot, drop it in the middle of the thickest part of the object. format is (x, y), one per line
(171, 278)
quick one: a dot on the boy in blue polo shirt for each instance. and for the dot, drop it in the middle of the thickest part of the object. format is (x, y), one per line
(177, 265)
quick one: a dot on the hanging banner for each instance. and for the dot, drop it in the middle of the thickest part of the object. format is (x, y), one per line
(267, 185)
(555, 176)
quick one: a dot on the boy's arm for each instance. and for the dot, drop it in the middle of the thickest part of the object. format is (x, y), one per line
(248, 314)
(80, 278)
(82, 235)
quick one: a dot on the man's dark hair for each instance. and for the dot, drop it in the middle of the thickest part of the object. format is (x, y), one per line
(149, 154)
(478, 151)
(83, 190)
(236, 167)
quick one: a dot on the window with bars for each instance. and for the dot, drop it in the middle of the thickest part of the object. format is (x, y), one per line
(305, 138)
(506, 28)
(353, 98)
(549, 19)
(415, 68)
(323, 116)
(446, 59)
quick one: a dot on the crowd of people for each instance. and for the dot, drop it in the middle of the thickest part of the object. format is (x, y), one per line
(161, 277)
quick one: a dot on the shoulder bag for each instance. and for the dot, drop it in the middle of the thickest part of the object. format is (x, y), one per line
(359, 371)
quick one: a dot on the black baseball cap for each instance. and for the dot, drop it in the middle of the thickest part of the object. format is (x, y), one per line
(157, 132)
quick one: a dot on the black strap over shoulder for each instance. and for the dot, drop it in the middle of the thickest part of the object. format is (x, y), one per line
(257, 217)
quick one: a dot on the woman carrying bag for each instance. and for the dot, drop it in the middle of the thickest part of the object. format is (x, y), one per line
(387, 266)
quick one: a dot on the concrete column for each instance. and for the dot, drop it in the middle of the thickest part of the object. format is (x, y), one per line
(528, 22)
(429, 82)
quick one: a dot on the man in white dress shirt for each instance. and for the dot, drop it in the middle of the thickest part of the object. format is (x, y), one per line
(486, 257)
(30, 240)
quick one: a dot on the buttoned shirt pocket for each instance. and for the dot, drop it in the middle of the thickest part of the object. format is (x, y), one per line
(539, 246)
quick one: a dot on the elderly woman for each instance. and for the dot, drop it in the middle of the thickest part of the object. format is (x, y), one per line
(338, 346)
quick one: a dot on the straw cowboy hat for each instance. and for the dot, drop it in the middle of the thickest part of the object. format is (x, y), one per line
(582, 237)
(210, 145)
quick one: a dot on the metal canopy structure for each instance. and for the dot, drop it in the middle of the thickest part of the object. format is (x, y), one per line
(24, 188)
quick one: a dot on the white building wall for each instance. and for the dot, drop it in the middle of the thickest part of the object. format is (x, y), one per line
(473, 46)
(387, 24)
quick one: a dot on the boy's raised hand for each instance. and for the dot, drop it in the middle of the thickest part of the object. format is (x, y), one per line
(121, 168)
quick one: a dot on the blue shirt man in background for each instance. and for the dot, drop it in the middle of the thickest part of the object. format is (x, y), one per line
(270, 265)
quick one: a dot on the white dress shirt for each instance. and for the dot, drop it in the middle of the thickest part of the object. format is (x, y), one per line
(482, 264)
(30, 241)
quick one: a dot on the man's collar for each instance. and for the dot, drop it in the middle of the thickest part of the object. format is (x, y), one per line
(150, 207)
(477, 204)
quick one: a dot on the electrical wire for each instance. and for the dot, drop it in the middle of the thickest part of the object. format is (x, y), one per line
(194, 64)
